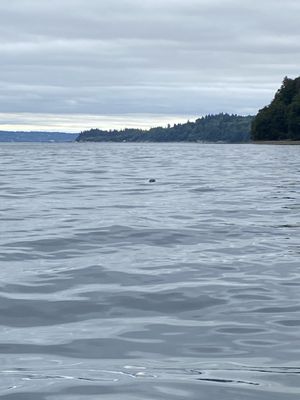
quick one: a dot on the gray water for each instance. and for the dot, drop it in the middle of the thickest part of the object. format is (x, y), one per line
(116, 288)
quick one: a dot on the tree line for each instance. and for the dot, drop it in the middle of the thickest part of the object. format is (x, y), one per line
(280, 120)
(210, 128)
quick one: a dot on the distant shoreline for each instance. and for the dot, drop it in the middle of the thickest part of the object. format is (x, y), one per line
(278, 142)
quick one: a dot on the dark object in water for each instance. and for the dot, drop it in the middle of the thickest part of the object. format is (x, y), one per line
(152, 180)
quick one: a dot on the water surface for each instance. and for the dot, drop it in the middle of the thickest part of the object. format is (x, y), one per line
(113, 287)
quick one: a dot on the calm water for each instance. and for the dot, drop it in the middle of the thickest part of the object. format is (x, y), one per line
(116, 288)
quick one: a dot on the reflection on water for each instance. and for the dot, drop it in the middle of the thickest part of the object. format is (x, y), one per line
(113, 287)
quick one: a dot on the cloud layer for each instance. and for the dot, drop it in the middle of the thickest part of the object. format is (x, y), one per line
(167, 57)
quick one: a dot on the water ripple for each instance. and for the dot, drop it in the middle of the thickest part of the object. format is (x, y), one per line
(112, 287)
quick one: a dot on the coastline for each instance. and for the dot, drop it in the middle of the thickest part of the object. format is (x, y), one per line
(278, 142)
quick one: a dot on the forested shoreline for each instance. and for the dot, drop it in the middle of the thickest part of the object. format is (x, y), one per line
(210, 128)
(280, 120)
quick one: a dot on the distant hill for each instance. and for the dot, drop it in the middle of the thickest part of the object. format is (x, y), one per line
(281, 119)
(43, 137)
(211, 128)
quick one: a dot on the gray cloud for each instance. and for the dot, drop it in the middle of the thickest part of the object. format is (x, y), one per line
(114, 57)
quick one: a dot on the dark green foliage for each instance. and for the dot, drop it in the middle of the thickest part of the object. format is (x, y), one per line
(211, 128)
(281, 119)
(294, 119)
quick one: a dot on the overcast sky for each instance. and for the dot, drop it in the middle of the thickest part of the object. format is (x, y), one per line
(75, 64)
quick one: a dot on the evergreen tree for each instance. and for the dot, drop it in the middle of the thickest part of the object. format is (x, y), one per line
(294, 119)
(281, 119)
(211, 128)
